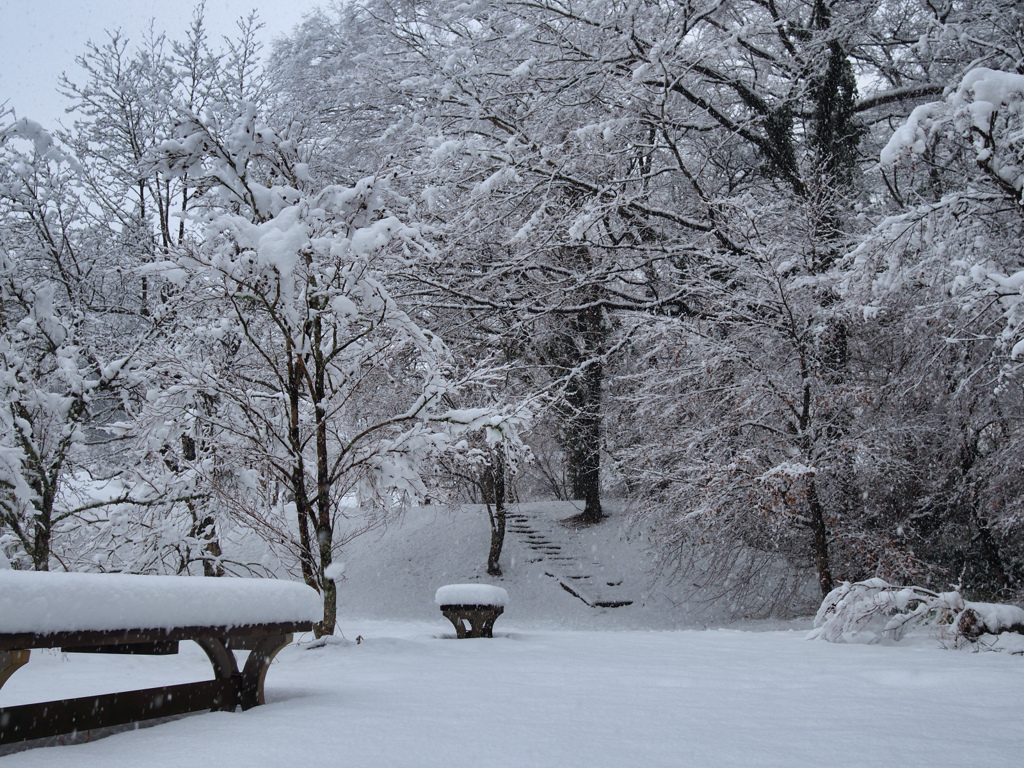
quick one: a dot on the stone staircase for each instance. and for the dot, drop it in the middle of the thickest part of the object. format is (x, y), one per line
(582, 576)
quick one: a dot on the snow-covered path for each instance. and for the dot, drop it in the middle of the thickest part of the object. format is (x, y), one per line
(407, 697)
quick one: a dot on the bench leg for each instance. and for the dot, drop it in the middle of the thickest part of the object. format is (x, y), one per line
(479, 620)
(455, 617)
(225, 667)
(11, 662)
(255, 673)
(487, 626)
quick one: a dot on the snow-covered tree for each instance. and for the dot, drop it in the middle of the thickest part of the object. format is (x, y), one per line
(69, 346)
(666, 221)
(607, 175)
(947, 264)
(330, 383)
(101, 214)
(978, 130)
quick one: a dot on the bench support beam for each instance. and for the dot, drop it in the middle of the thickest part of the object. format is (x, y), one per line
(55, 718)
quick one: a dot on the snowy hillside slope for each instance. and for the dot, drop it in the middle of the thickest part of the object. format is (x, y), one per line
(392, 575)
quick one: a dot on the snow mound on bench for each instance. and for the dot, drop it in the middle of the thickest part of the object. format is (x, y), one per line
(471, 594)
(44, 603)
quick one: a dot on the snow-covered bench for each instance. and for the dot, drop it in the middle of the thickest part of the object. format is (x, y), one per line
(472, 608)
(115, 613)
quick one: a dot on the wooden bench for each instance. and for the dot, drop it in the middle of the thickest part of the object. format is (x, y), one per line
(104, 613)
(472, 608)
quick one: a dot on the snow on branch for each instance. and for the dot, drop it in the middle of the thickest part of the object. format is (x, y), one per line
(46, 149)
(986, 111)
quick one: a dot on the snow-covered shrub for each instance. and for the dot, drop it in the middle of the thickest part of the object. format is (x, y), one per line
(877, 610)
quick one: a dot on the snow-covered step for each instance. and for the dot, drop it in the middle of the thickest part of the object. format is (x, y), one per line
(578, 574)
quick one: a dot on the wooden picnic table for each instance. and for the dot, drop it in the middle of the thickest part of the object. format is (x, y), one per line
(118, 614)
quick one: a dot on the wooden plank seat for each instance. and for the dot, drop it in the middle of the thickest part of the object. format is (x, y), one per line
(294, 606)
(472, 608)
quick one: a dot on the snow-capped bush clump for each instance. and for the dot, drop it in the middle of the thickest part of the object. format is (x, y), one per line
(875, 610)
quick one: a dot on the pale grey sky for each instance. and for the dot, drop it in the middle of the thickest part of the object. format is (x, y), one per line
(39, 39)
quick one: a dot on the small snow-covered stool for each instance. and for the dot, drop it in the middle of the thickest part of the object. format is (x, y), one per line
(472, 608)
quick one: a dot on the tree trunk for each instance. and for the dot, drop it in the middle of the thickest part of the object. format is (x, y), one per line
(212, 565)
(204, 529)
(496, 486)
(297, 479)
(991, 552)
(41, 551)
(325, 525)
(969, 456)
(820, 530)
(43, 526)
(330, 589)
(582, 433)
(584, 457)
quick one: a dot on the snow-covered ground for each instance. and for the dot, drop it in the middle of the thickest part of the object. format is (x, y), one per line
(406, 696)
(560, 684)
